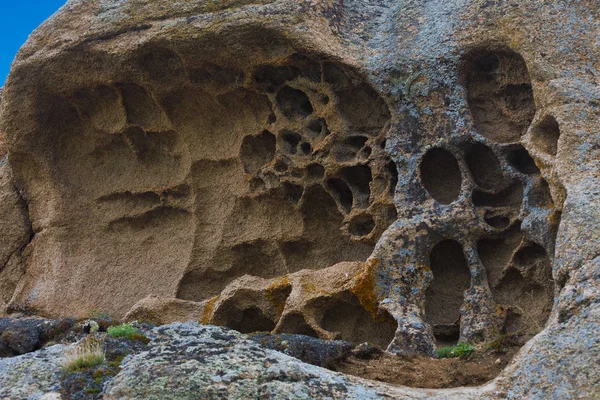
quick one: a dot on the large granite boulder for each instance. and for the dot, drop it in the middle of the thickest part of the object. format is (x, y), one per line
(202, 152)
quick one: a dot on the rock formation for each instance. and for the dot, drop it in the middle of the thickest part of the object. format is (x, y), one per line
(413, 172)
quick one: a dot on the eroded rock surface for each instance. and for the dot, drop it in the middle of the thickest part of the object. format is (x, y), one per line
(204, 153)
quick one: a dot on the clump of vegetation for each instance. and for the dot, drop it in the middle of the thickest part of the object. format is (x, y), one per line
(88, 353)
(128, 332)
(458, 350)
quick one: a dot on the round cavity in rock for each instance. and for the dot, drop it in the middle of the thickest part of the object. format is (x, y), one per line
(440, 175)
(289, 142)
(256, 151)
(520, 159)
(305, 148)
(361, 225)
(484, 166)
(315, 171)
(499, 94)
(281, 166)
(545, 134)
(497, 222)
(294, 103)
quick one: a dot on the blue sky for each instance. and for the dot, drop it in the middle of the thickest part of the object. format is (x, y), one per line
(18, 18)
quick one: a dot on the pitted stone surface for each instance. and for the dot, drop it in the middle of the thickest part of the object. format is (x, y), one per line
(169, 149)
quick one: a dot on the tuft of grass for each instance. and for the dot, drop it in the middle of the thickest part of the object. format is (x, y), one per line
(88, 353)
(128, 332)
(458, 350)
(123, 330)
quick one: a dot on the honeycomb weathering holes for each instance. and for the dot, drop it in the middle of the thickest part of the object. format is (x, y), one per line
(304, 206)
(440, 175)
(294, 103)
(499, 94)
(484, 166)
(545, 134)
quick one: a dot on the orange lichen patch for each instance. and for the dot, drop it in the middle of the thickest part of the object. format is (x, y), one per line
(207, 313)
(555, 217)
(274, 291)
(363, 287)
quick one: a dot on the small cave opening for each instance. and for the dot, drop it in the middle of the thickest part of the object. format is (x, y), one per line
(440, 175)
(345, 316)
(257, 151)
(294, 103)
(484, 166)
(511, 196)
(271, 77)
(359, 179)
(316, 128)
(545, 135)
(296, 324)
(445, 295)
(315, 171)
(520, 160)
(347, 149)
(341, 192)
(361, 225)
(292, 192)
(289, 141)
(499, 93)
(250, 320)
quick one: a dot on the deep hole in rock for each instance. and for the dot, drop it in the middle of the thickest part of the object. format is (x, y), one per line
(499, 94)
(440, 175)
(346, 149)
(257, 151)
(361, 225)
(295, 323)
(271, 77)
(341, 192)
(498, 222)
(495, 253)
(305, 148)
(345, 315)
(281, 165)
(393, 171)
(251, 320)
(315, 171)
(359, 179)
(511, 196)
(520, 159)
(294, 103)
(545, 134)
(445, 295)
(484, 167)
(289, 142)
(317, 128)
(292, 192)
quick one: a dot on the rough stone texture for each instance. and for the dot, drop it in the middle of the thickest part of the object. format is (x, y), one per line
(168, 148)
(189, 361)
(15, 233)
(332, 303)
(32, 375)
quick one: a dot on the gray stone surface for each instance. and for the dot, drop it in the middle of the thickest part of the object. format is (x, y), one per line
(31, 375)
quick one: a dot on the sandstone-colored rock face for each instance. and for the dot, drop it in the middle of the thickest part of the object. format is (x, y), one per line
(198, 151)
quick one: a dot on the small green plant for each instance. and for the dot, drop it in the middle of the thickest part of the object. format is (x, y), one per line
(123, 330)
(88, 353)
(458, 350)
(128, 332)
